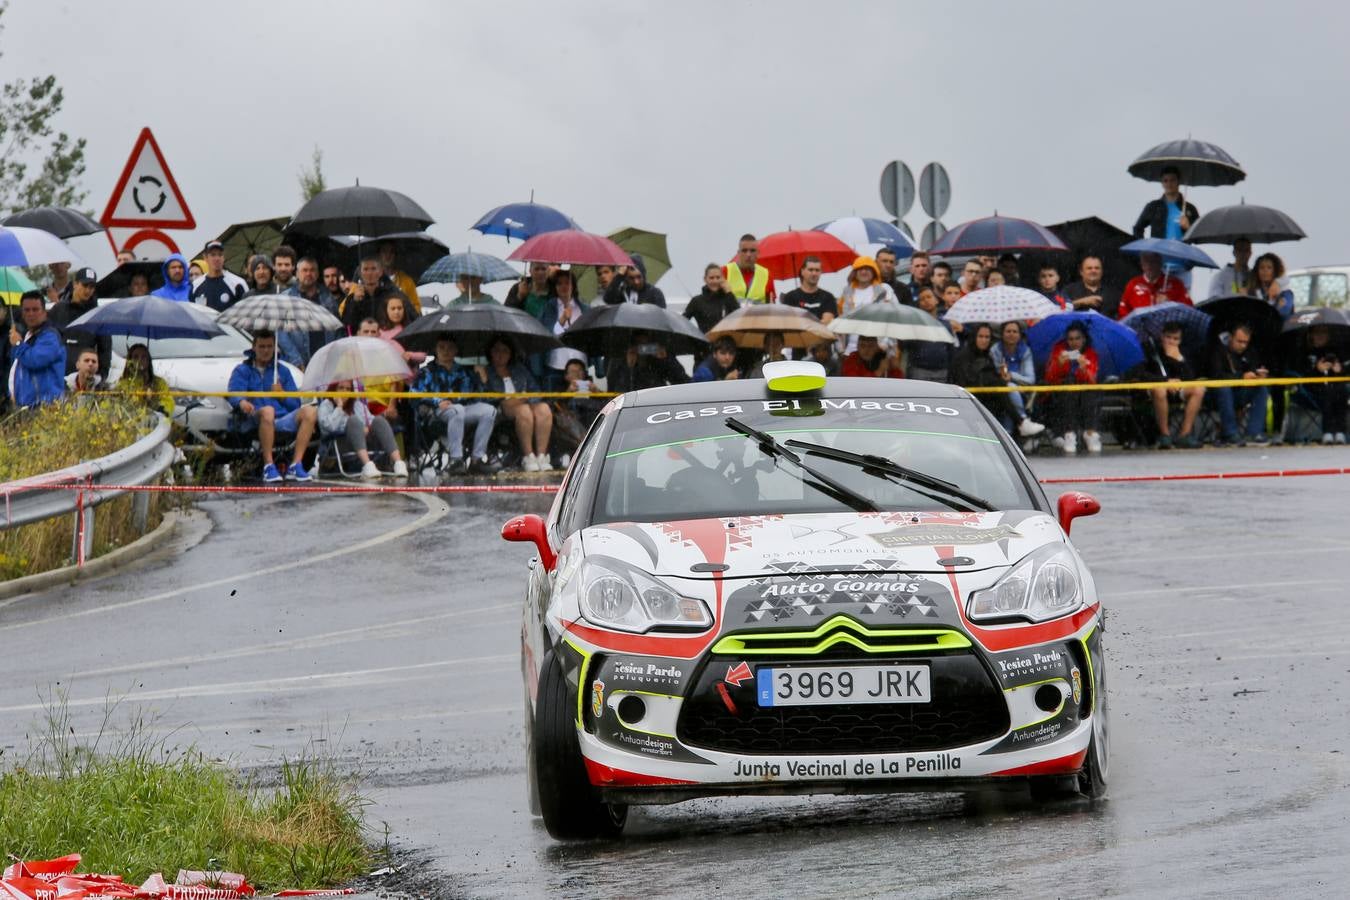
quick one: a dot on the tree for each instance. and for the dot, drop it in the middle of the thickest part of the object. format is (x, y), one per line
(27, 109)
(311, 179)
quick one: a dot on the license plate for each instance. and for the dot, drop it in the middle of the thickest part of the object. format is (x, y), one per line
(822, 686)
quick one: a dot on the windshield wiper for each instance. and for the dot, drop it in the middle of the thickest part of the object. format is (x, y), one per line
(769, 445)
(881, 467)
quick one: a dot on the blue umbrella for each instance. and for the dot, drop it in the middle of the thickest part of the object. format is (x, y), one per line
(996, 234)
(523, 221)
(149, 317)
(1171, 251)
(21, 246)
(448, 269)
(1149, 322)
(1117, 347)
(860, 233)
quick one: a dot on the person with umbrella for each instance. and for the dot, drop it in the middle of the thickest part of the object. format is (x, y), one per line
(1233, 358)
(531, 292)
(871, 361)
(533, 417)
(714, 303)
(633, 286)
(1152, 286)
(82, 300)
(560, 313)
(351, 420)
(864, 287)
(930, 360)
(1169, 216)
(1073, 360)
(1319, 359)
(270, 415)
(1234, 279)
(176, 285)
(746, 278)
(39, 355)
(140, 384)
(443, 375)
(363, 294)
(1267, 281)
(217, 289)
(1175, 367)
(296, 347)
(645, 363)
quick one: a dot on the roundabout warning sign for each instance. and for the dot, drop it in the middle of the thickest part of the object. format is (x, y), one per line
(146, 195)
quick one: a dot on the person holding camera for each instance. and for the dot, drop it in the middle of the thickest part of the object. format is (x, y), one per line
(1073, 361)
(645, 364)
(1321, 360)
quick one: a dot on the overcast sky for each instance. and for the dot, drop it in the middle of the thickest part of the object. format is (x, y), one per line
(702, 119)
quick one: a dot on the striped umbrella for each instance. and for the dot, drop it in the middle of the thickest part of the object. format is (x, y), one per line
(449, 269)
(863, 234)
(13, 284)
(1002, 303)
(279, 312)
(887, 319)
(33, 247)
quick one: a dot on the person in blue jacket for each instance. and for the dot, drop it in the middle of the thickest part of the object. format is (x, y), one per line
(260, 371)
(39, 356)
(177, 285)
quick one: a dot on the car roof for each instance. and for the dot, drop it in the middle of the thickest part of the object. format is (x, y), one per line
(758, 389)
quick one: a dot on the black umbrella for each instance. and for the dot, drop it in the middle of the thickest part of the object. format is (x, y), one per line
(1226, 312)
(61, 221)
(117, 282)
(1201, 164)
(1258, 224)
(367, 211)
(414, 251)
(1296, 332)
(475, 326)
(605, 328)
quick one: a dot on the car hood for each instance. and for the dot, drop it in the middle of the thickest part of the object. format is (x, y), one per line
(756, 546)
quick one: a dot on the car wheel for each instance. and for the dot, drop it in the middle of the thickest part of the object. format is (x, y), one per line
(570, 804)
(1092, 780)
(531, 775)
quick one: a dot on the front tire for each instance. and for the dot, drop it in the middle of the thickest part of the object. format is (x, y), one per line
(570, 805)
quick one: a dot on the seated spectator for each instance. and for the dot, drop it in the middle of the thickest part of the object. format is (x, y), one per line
(1151, 287)
(929, 360)
(260, 371)
(85, 379)
(824, 354)
(774, 351)
(1267, 281)
(351, 421)
(720, 364)
(39, 372)
(379, 391)
(1015, 364)
(633, 286)
(1233, 357)
(646, 363)
(1319, 359)
(560, 313)
(533, 417)
(392, 315)
(1073, 361)
(578, 381)
(972, 366)
(871, 361)
(714, 303)
(1175, 368)
(1048, 281)
(140, 383)
(444, 376)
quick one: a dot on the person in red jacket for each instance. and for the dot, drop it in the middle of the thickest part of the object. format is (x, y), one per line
(1073, 361)
(1152, 287)
(870, 361)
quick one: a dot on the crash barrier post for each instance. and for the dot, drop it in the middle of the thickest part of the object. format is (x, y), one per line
(80, 488)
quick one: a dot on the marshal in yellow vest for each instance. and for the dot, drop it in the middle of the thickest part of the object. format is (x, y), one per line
(757, 292)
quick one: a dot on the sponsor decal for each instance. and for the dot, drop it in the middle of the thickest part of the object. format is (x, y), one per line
(810, 595)
(943, 535)
(1021, 666)
(844, 767)
(806, 405)
(597, 697)
(647, 672)
(1047, 731)
(1077, 684)
(646, 743)
(741, 672)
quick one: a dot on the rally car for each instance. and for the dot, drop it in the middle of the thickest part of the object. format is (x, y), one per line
(794, 585)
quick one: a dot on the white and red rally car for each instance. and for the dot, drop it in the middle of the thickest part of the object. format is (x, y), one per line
(798, 586)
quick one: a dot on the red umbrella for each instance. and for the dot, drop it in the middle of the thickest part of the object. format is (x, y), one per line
(782, 253)
(576, 247)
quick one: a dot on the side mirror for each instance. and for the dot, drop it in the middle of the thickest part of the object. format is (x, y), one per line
(531, 528)
(1073, 504)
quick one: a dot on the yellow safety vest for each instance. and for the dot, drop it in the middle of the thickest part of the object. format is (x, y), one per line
(759, 285)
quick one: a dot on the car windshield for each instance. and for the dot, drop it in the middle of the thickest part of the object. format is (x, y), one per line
(232, 343)
(684, 462)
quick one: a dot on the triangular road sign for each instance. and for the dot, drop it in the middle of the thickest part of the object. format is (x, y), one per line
(146, 195)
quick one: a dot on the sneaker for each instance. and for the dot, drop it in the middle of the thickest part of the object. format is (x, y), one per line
(1057, 442)
(1028, 428)
(1228, 440)
(1093, 441)
(1165, 442)
(530, 463)
(272, 476)
(1188, 441)
(400, 469)
(1260, 440)
(545, 462)
(1328, 438)
(484, 466)
(296, 472)
(369, 470)
(1070, 443)
(565, 461)
(1340, 437)
(458, 466)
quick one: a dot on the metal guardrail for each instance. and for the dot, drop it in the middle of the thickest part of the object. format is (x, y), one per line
(30, 500)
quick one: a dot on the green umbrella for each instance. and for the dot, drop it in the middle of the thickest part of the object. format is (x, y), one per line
(13, 284)
(888, 319)
(244, 239)
(650, 245)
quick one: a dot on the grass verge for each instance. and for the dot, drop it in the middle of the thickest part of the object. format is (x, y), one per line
(62, 434)
(133, 805)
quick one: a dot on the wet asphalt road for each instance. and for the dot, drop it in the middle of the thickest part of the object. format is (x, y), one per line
(384, 629)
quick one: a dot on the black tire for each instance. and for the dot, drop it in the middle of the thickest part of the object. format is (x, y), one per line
(1092, 780)
(531, 776)
(571, 806)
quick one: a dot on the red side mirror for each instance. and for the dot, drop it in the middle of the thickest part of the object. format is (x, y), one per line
(531, 528)
(1073, 504)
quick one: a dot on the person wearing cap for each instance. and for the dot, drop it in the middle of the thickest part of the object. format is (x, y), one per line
(217, 289)
(81, 301)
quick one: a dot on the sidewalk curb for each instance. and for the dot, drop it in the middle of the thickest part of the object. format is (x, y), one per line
(99, 565)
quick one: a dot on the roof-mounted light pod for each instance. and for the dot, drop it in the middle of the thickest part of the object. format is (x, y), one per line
(794, 376)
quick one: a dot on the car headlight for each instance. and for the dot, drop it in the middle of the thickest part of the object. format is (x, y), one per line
(1043, 585)
(618, 596)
